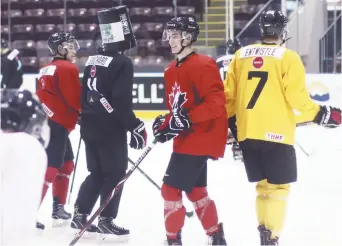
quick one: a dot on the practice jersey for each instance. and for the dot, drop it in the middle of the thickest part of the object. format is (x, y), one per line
(108, 76)
(59, 91)
(223, 64)
(195, 85)
(22, 168)
(11, 70)
(265, 83)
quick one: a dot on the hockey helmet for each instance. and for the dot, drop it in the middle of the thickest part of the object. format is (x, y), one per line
(273, 24)
(232, 46)
(21, 111)
(116, 29)
(62, 39)
(186, 26)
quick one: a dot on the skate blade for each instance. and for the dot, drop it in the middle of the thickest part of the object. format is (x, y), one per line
(86, 235)
(60, 222)
(39, 232)
(113, 238)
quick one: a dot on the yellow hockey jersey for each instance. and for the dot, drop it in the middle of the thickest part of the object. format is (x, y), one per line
(265, 83)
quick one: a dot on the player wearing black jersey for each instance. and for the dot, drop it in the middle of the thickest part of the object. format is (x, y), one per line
(107, 115)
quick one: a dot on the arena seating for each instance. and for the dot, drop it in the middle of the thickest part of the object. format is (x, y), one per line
(32, 21)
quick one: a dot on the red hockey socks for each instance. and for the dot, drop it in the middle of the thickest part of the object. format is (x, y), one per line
(50, 175)
(174, 211)
(60, 185)
(205, 209)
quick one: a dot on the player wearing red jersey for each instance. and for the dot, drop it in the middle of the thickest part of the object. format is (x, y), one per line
(197, 123)
(59, 91)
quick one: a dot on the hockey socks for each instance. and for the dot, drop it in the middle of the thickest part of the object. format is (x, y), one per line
(271, 205)
(205, 209)
(50, 175)
(174, 211)
(60, 184)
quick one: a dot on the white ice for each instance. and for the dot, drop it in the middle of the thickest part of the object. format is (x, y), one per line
(314, 215)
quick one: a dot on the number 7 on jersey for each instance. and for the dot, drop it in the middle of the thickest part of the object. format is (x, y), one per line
(263, 76)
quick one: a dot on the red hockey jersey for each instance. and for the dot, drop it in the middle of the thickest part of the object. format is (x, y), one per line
(59, 90)
(197, 85)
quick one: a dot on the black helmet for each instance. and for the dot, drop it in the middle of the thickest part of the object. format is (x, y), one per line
(21, 112)
(184, 24)
(273, 24)
(232, 46)
(61, 38)
(4, 43)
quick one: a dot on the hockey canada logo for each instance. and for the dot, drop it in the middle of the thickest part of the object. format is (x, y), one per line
(177, 98)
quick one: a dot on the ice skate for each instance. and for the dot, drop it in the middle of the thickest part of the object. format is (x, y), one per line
(265, 237)
(40, 227)
(78, 222)
(109, 230)
(237, 153)
(60, 217)
(218, 237)
(177, 241)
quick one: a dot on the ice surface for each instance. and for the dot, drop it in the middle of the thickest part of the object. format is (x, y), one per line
(314, 212)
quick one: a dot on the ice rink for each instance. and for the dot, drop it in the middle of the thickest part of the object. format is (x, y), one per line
(314, 215)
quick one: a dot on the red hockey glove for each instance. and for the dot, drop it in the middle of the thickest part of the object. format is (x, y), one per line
(138, 136)
(171, 125)
(328, 117)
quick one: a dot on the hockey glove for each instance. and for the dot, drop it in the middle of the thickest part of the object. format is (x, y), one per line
(171, 125)
(158, 122)
(328, 117)
(138, 136)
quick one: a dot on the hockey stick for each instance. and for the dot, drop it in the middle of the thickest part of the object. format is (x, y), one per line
(188, 214)
(113, 193)
(73, 176)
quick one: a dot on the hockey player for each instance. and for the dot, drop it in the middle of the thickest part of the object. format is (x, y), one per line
(59, 90)
(24, 129)
(11, 68)
(223, 64)
(197, 123)
(266, 82)
(107, 115)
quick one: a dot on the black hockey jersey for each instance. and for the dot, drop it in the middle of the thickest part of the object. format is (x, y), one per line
(107, 108)
(11, 70)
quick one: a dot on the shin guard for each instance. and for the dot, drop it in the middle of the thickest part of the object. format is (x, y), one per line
(174, 211)
(205, 209)
(60, 185)
(50, 176)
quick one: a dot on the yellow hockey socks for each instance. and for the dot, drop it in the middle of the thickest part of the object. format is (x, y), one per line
(271, 205)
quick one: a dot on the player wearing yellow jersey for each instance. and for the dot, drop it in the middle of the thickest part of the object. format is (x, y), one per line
(265, 83)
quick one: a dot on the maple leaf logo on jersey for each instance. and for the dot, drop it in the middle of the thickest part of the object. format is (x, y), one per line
(177, 98)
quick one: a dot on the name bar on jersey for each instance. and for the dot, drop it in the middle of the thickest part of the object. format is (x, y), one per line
(99, 60)
(262, 51)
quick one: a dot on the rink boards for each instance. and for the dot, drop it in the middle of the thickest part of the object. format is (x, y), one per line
(149, 97)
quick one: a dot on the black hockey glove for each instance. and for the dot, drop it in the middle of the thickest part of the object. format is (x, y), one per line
(328, 117)
(171, 125)
(138, 136)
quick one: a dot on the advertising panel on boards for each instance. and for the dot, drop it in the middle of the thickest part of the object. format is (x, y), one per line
(149, 93)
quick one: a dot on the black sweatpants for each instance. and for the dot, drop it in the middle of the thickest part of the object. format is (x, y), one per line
(107, 164)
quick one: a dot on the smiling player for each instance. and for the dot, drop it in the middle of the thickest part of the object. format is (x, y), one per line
(59, 90)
